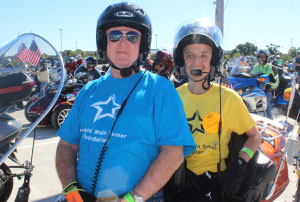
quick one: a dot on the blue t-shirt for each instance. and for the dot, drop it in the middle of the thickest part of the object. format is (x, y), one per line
(153, 116)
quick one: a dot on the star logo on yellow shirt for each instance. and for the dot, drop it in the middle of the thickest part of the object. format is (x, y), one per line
(195, 123)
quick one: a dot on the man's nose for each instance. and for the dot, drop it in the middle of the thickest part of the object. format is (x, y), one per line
(198, 62)
(124, 39)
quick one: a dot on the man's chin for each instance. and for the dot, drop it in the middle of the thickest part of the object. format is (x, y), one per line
(122, 65)
(197, 77)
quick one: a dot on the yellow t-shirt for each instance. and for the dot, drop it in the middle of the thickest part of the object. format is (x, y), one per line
(203, 115)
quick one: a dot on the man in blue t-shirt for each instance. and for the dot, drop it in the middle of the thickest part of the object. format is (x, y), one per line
(127, 132)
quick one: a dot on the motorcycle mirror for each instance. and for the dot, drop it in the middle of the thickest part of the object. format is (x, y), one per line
(263, 78)
(31, 78)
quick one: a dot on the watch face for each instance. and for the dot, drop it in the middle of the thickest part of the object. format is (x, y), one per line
(138, 199)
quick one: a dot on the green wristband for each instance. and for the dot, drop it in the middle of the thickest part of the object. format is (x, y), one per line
(128, 197)
(248, 151)
(73, 186)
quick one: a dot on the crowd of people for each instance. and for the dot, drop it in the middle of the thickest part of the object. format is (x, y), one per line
(131, 131)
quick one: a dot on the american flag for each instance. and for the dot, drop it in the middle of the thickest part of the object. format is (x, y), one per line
(225, 82)
(22, 53)
(34, 54)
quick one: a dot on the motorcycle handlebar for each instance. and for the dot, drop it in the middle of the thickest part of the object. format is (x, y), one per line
(269, 139)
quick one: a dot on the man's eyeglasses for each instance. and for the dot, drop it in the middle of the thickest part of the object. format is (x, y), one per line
(261, 56)
(116, 35)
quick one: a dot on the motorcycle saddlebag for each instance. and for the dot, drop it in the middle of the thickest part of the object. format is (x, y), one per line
(14, 87)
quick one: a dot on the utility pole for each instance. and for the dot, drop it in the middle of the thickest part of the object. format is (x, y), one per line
(292, 42)
(76, 45)
(219, 17)
(60, 40)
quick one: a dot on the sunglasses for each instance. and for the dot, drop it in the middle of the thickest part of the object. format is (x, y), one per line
(116, 35)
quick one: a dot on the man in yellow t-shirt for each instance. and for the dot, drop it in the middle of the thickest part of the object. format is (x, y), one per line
(203, 114)
(197, 48)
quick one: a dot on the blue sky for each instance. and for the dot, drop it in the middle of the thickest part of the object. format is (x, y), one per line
(256, 21)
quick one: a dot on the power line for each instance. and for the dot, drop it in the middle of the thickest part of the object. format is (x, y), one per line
(226, 5)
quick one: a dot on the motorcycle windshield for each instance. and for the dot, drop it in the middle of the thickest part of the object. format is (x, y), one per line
(239, 67)
(28, 86)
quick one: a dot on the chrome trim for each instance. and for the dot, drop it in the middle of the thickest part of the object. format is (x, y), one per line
(33, 125)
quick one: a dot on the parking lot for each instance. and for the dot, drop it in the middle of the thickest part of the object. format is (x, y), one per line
(45, 185)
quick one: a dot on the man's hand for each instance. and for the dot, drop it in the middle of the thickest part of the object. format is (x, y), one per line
(74, 193)
(232, 178)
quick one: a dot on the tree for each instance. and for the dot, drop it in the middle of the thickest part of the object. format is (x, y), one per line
(233, 52)
(236, 55)
(293, 52)
(78, 51)
(244, 49)
(273, 49)
(285, 57)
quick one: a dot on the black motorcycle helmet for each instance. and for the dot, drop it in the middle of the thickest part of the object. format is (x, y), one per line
(198, 31)
(129, 15)
(91, 62)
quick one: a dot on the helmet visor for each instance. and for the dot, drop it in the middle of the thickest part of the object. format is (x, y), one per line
(199, 27)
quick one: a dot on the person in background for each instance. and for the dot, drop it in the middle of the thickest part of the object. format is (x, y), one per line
(243, 61)
(163, 63)
(78, 59)
(213, 113)
(279, 61)
(88, 67)
(71, 66)
(42, 75)
(7, 63)
(127, 132)
(264, 68)
(297, 65)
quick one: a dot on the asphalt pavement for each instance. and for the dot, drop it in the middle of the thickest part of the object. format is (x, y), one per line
(45, 185)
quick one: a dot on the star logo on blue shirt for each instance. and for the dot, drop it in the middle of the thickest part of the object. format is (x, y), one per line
(102, 107)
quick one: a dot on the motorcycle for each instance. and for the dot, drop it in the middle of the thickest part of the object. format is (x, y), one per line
(274, 147)
(295, 114)
(37, 105)
(15, 87)
(266, 175)
(249, 88)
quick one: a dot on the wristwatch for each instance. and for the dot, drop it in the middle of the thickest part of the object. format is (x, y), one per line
(136, 197)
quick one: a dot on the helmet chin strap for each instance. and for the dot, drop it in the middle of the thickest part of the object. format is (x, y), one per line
(127, 71)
